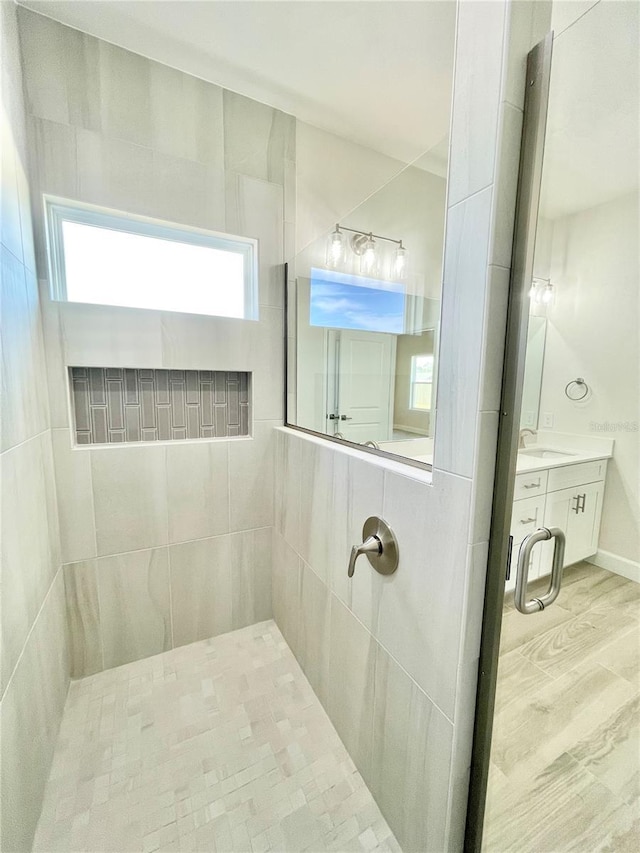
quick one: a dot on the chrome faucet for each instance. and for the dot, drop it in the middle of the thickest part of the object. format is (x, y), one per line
(371, 443)
(522, 434)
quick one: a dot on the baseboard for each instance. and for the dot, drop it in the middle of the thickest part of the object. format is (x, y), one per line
(618, 565)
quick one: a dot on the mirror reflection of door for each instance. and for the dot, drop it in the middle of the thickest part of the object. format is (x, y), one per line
(363, 364)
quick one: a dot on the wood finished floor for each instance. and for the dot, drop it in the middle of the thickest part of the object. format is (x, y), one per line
(565, 760)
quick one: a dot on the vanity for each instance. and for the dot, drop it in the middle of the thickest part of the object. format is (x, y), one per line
(559, 482)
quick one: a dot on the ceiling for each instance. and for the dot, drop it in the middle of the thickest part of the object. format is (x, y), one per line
(378, 73)
(592, 141)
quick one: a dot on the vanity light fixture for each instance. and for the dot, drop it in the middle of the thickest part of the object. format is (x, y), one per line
(364, 245)
(335, 247)
(541, 292)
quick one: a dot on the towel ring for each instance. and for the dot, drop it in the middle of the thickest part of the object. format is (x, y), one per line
(579, 392)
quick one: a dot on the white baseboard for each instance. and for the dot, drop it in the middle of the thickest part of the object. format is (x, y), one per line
(618, 565)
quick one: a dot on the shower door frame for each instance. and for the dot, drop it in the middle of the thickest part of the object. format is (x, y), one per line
(538, 75)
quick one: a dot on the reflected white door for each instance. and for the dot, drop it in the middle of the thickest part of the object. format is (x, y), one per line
(366, 367)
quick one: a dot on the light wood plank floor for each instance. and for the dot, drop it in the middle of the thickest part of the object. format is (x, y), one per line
(565, 760)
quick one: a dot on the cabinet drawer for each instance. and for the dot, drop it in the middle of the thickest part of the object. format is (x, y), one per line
(530, 485)
(526, 517)
(576, 475)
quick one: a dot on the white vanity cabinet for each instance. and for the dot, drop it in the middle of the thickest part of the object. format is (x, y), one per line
(568, 497)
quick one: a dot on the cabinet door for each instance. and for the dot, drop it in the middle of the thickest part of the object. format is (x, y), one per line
(527, 515)
(584, 525)
(577, 512)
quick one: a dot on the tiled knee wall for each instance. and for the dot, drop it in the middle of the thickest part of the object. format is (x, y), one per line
(115, 404)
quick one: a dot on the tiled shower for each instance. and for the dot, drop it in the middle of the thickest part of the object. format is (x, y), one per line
(151, 497)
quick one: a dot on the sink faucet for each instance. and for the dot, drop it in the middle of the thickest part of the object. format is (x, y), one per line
(522, 434)
(370, 443)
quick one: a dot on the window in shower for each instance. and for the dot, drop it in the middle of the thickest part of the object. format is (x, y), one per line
(112, 258)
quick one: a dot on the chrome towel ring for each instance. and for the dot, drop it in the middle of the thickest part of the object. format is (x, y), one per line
(577, 389)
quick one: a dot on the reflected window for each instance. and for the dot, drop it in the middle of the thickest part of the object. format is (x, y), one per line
(343, 301)
(421, 382)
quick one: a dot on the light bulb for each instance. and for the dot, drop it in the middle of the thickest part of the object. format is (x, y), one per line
(369, 256)
(335, 248)
(533, 290)
(400, 263)
(547, 294)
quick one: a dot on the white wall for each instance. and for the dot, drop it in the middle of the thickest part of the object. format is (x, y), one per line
(150, 533)
(593, 333)
(35, 664)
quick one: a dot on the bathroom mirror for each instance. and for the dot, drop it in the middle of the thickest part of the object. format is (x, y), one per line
(364, 309)
(534, 363)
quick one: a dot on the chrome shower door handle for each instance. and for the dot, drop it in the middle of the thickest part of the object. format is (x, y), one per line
(534, 605)
(379, 544)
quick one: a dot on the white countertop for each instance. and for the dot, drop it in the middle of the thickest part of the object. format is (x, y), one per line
(578, 448)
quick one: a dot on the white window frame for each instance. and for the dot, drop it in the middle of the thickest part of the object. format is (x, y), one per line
(413, 383)
(59, 210)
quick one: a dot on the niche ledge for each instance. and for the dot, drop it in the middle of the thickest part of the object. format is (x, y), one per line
(121, 405)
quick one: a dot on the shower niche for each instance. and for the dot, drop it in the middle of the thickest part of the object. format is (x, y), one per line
(115, 405)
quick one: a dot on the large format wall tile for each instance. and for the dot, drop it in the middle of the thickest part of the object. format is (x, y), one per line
(197, 490)
(251, 487)
(29, 541)
(314, 632)
(286, 567)
(411, 756)
(474, 124)
(257, 138)
(201, 592)
(351, 686)
(135, 613)
(251, 577)
(75, 499)
(129, 497)
(23, 414)
(463, 311)
(30, 716)
(83, 617)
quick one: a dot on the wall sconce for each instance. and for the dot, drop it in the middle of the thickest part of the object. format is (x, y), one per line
(364, 246)
(541, 292)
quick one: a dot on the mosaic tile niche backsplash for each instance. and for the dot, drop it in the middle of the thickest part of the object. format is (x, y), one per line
(115, 404)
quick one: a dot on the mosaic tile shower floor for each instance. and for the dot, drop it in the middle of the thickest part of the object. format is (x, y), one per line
(216, 746)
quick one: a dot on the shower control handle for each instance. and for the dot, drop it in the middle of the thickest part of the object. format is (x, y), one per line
(372, 545)
(379, 544)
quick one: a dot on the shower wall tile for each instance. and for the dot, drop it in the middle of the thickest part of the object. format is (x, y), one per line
(135, 617)
(256, 207)
(350, 696)
(116, 404)
(23, 362)
(197, 490)
(467, 248)
(201, 589)
(130, 498)
(29, 541)
(102, 335)
(251, 479)
(75, 499)
(474, 127)
(257, 138)
(412, 743)
(251, 577)
(315, 632)
(186, 116)
(83, 617)
(30, 711)
(286, 591)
